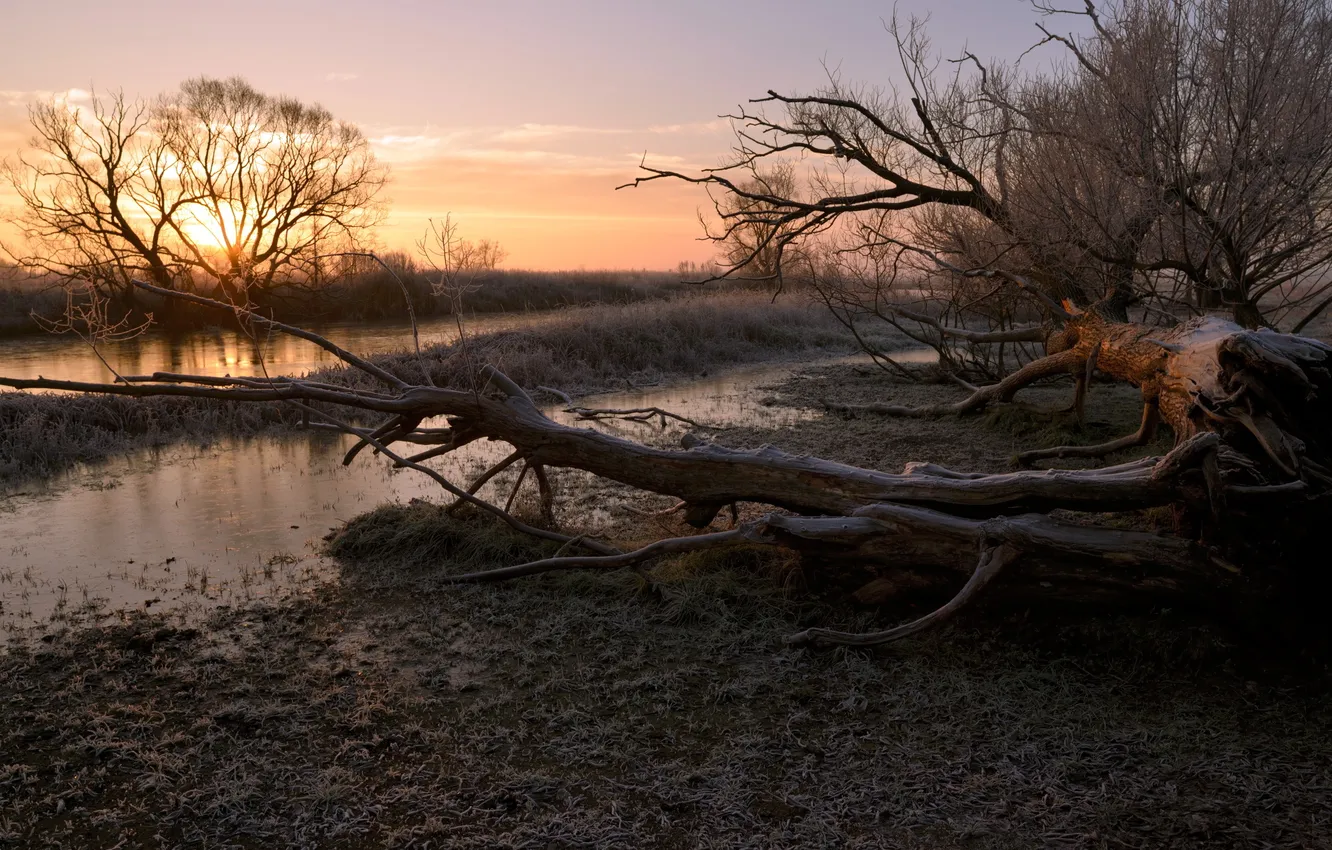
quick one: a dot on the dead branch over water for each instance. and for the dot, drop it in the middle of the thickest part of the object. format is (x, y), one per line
(1248, 476)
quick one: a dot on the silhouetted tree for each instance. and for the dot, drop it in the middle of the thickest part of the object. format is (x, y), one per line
(217, 184)
(752, 227)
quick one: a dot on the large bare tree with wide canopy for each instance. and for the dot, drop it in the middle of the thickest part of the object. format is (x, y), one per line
(217, 186)
(1180, 152)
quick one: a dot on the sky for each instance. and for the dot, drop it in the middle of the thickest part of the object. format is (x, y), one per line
(519, 117)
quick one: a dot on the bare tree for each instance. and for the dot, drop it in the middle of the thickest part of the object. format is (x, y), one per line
(1173, 149)
(217, 185)
(751, 235)
(87, 207)
(1191, 143)
(1183, 147)
(460, 264)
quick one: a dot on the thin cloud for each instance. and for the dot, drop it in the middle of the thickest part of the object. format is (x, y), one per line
(527, 132)
(466, 214)
(713, 126)
(13, 97)
(340, 76)
(405, 147)
(423, 153)
(544, 147)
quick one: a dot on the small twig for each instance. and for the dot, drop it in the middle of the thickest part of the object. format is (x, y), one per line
(636, 414)
(519, 483)
(656, 514)
(407, 297)
(669, 546)
(481, 480)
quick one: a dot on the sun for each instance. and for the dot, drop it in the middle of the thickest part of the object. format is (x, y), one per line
(209, 229)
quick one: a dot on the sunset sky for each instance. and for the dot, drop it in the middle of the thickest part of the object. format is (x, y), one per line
(518, 116)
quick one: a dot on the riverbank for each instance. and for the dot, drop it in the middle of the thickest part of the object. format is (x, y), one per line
(390, 710)
(578, 351)
(378, 296)
(386, 708)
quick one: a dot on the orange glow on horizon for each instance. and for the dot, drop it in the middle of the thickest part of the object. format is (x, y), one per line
(520, 118)
(549, 219)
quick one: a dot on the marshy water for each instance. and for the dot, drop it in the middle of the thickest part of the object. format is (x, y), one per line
(221, 352)
(189, 528)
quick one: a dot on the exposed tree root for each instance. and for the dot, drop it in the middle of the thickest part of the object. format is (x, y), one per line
(1060, 363)
(992, 560)
(1151, 418)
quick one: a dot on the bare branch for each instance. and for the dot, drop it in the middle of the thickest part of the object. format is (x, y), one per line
(992, 561)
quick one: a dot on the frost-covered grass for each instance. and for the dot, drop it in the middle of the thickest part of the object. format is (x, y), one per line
(606, 710)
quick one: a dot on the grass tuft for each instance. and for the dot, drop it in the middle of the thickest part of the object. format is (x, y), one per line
(421, 535)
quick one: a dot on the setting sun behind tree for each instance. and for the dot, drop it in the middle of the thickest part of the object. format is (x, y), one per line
(217, 186)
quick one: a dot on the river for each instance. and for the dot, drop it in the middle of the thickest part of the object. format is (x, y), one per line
(229, 352)
(189, 528)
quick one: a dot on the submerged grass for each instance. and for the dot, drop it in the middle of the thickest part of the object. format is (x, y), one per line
(41, 435)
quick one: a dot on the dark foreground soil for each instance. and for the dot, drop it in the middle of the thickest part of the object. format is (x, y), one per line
(617, 711)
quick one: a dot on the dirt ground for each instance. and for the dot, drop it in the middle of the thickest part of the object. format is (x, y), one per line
(579, 710)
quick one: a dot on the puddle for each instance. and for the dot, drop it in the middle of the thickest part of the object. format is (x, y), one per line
(188, 529)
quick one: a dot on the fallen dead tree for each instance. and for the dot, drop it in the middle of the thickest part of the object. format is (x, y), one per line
(1248, 478)
(1203, 375)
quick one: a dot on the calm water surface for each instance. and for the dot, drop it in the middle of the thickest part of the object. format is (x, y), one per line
(229, 352)
(190, 528)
